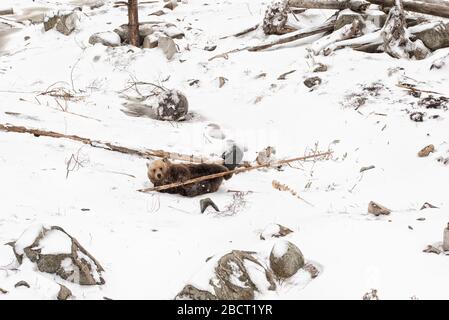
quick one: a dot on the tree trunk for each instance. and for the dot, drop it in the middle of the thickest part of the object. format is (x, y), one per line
(133, 23)
(439, 10)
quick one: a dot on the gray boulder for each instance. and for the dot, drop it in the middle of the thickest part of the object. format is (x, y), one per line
(65, 23)
(435, 37)
(168, 46)
(286, 259)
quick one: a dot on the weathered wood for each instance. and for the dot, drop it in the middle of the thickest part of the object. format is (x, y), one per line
(239, 170)
(434, 9)
(4, 12)
(355, 5)
(146, 153)
(300, 34)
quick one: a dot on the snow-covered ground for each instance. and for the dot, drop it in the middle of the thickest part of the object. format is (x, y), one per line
(151, 245)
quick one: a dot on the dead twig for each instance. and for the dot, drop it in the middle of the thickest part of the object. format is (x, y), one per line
(241, 33)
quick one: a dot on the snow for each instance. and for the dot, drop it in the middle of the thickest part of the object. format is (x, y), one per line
(166, 234)
(270, 230)
(28, 237)
(280, 248)
(55, 242)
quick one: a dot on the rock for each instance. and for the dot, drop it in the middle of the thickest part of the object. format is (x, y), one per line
(435, 36)
(214, 131)
(189, 292)
(377, 17)
(221, 81)
(312, 82)
(3, 291)
(151, 41)
(372, 295)
(310, 268)
(432, 249)
(108, 39)
(205, 203)
(348, 17)
(168, 46)
(274, 231)
(67, 23)
(234, 265)
(50, 22)
(431, 102)
(424, 152)
(170, 30)
(22, 284)
(286, 259)
(440, 63)
(320, 67)
(417, 116)
(233, 156)
(172, 4)
(8, 260)
(233, 278)
(145, 29)
(427, 205)
(64, 293)
(377, 209)
(266, 156)
(55, 251)
(171, 105)
(157, 13)
(210, 47)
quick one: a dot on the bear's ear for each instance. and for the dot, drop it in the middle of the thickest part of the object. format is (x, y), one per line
(165, 160)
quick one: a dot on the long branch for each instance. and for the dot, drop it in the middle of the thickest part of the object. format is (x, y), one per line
(239, 170)
(328, 26)
(434, 9)
(356, 5)
(146, 153)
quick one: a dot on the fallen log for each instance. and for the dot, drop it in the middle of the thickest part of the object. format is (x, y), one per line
(300, 34)
(4, 12)
(239, 170)
(434, 9)
(355, 5)
(147, 153)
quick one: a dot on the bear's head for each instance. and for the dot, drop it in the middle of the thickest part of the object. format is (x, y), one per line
(157, 170)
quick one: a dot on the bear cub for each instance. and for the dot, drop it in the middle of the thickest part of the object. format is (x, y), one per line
(162, 172)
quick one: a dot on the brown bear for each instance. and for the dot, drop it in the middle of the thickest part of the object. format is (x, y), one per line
(162, 172)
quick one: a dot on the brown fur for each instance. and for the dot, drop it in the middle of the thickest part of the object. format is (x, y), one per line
(162, 172)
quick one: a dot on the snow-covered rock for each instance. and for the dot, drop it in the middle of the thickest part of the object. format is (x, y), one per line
(285, 259)
(238, 275)
(109, 39)
(168, 46)
(55, 251)
(64, 22)
(435, 37)
(274, 230)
